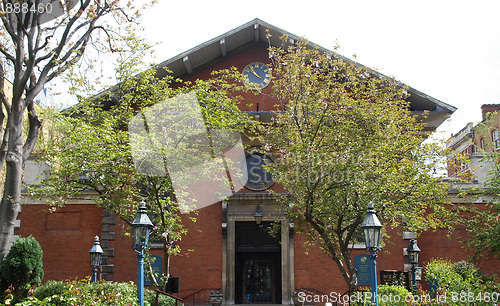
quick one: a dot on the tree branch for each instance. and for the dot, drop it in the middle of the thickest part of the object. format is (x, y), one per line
(34, 130)
(62, 43)
(7, 21)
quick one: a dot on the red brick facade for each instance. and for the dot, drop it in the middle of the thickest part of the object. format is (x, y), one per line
(67, 235)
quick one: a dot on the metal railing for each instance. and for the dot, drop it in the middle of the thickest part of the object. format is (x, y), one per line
(158, 292)
(198, 296)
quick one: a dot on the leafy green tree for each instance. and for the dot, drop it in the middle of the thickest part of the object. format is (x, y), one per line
(483, 227)
(99, 146)
(39, 41)
(23, 265)
(344, 137)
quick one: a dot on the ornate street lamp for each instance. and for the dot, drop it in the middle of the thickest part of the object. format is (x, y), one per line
(258, 216)
(413, 252)
(95, 257)
(141, 227)
(371, 227)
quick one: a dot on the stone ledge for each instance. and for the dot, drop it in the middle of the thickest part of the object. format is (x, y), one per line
(108, 236)
(107, 268)
(108, 220)
(109, 252)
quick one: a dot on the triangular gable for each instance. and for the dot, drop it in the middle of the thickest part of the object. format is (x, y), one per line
(217, 49)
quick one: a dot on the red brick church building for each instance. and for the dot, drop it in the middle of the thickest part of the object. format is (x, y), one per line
(228, 245)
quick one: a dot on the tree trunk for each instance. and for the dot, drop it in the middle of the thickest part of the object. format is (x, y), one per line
(166, 261)
(11, 200)
(347, 270)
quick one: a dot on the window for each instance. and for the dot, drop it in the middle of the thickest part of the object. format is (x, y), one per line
(482, 143)
(496, 139)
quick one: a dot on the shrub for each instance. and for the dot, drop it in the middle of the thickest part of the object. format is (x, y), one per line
(389, 295)
(23, 266)
(84, 292)
(50, 288)
(392, 295)
(466, 269)
(461, 283)
(439, 273)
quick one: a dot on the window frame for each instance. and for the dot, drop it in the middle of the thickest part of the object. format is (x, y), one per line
(495, 137)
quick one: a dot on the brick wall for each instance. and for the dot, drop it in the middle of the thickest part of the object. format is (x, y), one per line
(66, 237)
(201, 268)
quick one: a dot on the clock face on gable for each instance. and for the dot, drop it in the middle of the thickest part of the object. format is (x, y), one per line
(257, 75)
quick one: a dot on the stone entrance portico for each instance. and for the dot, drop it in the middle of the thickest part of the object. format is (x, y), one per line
(242, 208)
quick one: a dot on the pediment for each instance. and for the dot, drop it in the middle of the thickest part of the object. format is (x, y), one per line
(246, 36)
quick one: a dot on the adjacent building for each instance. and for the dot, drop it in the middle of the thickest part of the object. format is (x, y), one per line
(476, 142)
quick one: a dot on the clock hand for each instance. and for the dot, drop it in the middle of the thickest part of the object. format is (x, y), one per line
(255, 73)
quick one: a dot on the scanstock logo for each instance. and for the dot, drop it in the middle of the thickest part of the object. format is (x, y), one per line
(171, 138)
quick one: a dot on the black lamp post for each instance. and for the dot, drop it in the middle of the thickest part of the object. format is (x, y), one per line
(413, 252)
(258, 216)
(95, 257)
(371, 227)
(141, 227)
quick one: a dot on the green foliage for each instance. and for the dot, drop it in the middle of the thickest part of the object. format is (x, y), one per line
(482, 221)
(346, 137)
(466, 269)
(84, 292)
(389, 295)
(460, 283)
(23, 265)
(50, 288)
(440, 272)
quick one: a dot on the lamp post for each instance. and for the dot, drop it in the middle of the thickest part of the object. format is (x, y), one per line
(371, 227)
(413, 252)
(258, 216)
(141, 227)
(95, 257)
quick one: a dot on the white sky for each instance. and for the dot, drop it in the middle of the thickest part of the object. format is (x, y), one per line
(449, 50)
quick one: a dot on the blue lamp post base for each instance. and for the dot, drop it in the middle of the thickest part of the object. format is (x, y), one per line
(94, 274)
(373, 260)
(414, 279)
(140, 278)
